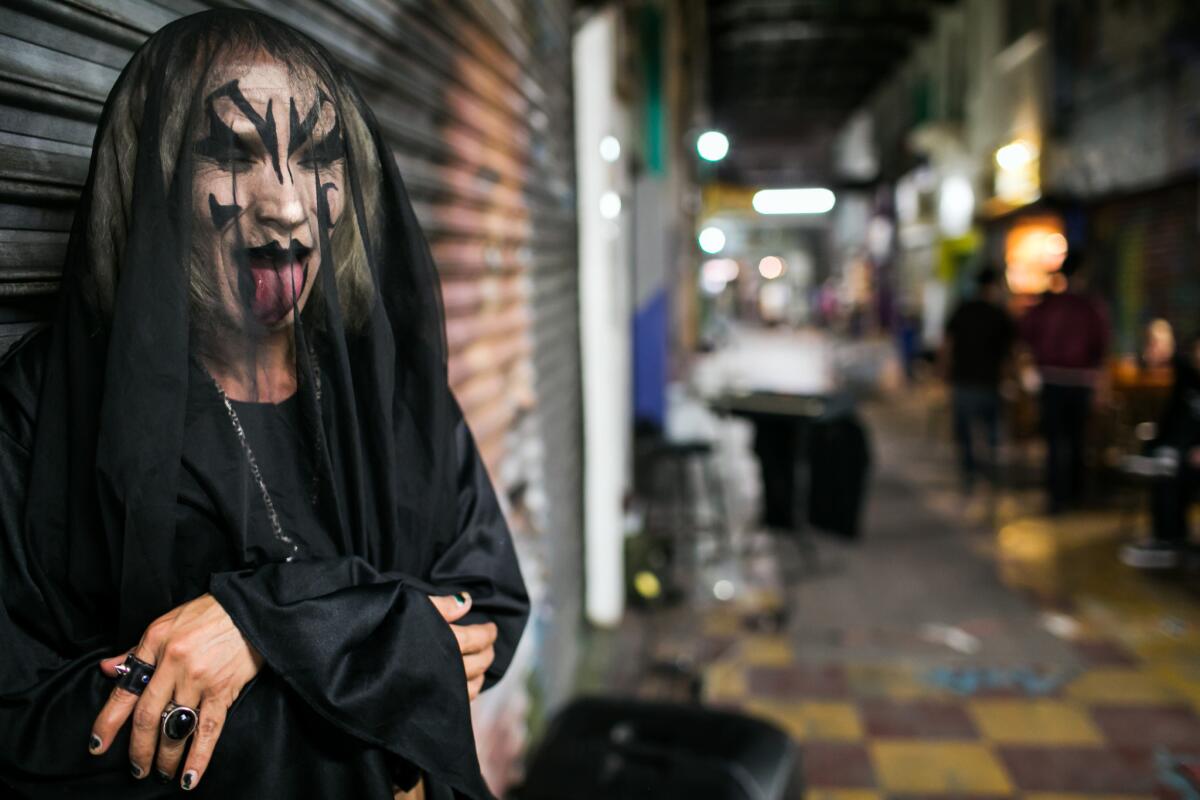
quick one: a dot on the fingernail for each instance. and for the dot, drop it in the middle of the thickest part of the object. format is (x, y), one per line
(94, 743)
(461, 598)
(188, 777)
(161, 776)
(136, 770)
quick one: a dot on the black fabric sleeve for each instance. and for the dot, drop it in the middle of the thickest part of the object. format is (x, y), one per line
(369, 651)
(48, 699)
(481, 560)
(365, 650)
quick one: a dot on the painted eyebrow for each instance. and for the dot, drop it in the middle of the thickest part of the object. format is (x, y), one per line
(265, 127)
(222, 141)
(301, 130)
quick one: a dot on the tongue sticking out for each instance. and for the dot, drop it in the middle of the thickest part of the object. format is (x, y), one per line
(276, 288)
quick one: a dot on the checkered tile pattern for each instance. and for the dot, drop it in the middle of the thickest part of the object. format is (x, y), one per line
(1118, 729)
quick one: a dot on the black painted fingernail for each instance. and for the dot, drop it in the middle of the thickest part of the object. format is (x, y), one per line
(94, 743)
(461, 598)
(188, 777)
(161, 776)
(136, 770)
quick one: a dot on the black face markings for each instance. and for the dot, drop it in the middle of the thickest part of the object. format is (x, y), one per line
(221, 145)
(222, 214)
(323, 205)
(328, 148)
(264, 126)
(301, 129)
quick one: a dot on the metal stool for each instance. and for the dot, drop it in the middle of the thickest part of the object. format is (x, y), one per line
(686, 507)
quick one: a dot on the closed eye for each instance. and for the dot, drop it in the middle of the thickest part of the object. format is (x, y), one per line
(225, 147)
(324, 152)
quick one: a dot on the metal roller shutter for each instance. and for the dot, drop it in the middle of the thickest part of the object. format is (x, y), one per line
(474, 98)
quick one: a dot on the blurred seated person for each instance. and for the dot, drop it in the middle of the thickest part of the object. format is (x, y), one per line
(1175, 451)
(978, 341)
(1153, 367)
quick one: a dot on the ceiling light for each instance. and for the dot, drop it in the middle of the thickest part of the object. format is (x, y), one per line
(610, 205)
(793, 201)
(610, 148)
(712, 145)
(770, 267)
(721, 269)
(712, 239)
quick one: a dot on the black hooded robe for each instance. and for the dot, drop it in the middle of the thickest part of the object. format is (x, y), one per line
(112, 511)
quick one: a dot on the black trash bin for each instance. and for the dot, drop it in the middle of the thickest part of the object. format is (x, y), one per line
(610, 749)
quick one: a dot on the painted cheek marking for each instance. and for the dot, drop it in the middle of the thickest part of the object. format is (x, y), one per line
(222, 214)
(323, 205)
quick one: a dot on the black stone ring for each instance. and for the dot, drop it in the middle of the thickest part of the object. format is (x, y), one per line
(134, 674)
(178, 722)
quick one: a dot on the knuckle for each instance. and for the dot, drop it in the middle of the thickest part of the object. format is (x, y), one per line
(209, 727)
(176, 650)
(157, 630)
(144, 719)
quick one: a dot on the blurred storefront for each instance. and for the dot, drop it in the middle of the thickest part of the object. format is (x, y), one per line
(1035, 123)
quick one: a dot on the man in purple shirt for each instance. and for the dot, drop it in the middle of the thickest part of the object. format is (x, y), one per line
(1067, 333)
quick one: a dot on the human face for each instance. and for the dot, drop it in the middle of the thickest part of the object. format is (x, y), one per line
(268, 155)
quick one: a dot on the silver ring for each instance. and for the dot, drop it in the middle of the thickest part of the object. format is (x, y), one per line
(178, 722)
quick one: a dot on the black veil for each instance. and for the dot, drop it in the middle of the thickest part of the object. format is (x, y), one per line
(141, 490)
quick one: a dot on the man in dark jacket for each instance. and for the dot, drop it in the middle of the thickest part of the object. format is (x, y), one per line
(1067, 333)
(979, 340)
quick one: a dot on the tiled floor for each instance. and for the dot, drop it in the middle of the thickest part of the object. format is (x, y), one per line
(1092, 692)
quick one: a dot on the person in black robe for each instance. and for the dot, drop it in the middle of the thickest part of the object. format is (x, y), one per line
(233, 466)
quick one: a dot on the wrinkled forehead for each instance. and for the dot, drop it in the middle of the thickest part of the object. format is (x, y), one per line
(263, 82)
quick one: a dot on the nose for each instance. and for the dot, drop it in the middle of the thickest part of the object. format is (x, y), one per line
(280, 206)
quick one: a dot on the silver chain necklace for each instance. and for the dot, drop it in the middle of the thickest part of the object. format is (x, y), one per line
(255, 472)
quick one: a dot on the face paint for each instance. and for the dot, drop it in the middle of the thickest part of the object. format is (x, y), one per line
(264, 125)
(301, 130)
(222, 214)
(261, 228)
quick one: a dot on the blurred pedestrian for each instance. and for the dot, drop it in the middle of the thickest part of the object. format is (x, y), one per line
(1175, 457)
(978, 341)
(1067, 334)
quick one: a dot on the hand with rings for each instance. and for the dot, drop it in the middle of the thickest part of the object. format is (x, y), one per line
(183, 676)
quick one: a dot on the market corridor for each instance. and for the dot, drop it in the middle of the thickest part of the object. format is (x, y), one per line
(957, 649)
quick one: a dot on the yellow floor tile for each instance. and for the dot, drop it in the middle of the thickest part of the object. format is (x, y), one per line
(1182, 677)
(811, 721)
(1117, 686)
(842, 794)
(1033, 722)
(894, 683)
(1154, 646)
(938, 768)
(766, 651)
(724, 682)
